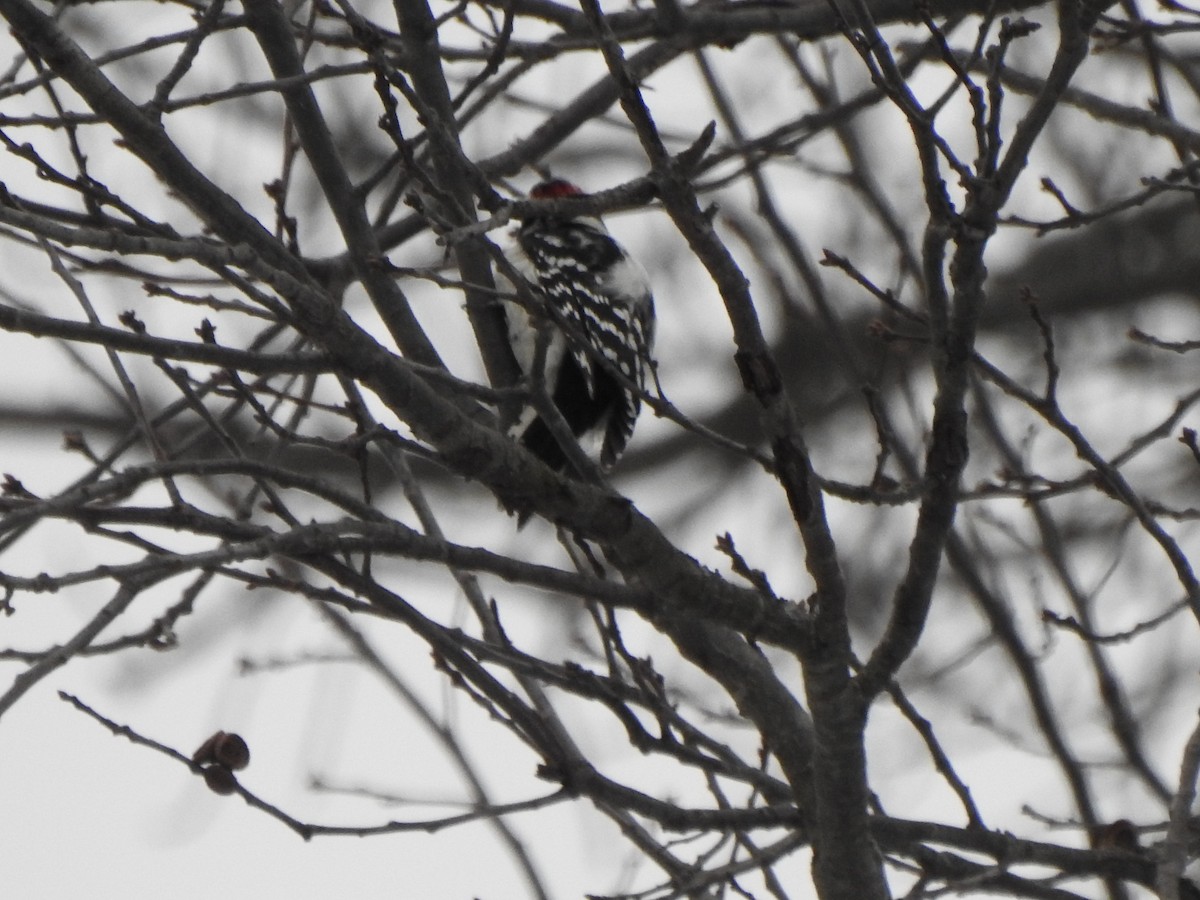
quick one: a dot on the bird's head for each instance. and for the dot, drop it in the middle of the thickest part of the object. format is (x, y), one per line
(553, 189)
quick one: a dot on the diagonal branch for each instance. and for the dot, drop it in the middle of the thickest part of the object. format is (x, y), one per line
(270, 28)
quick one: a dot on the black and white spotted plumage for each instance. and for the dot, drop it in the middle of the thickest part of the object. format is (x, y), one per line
(601, 314)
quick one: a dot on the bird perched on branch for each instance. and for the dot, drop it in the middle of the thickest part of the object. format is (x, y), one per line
(592, 334)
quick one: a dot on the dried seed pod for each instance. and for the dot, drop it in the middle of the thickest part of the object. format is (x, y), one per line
(231, 751)
(226, 748)
(219, 779)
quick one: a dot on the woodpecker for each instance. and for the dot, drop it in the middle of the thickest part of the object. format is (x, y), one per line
(598, 320)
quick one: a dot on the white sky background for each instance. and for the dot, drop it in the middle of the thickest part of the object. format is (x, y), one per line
(83, 813)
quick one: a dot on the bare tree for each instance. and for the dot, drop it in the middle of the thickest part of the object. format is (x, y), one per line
(916, 481)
